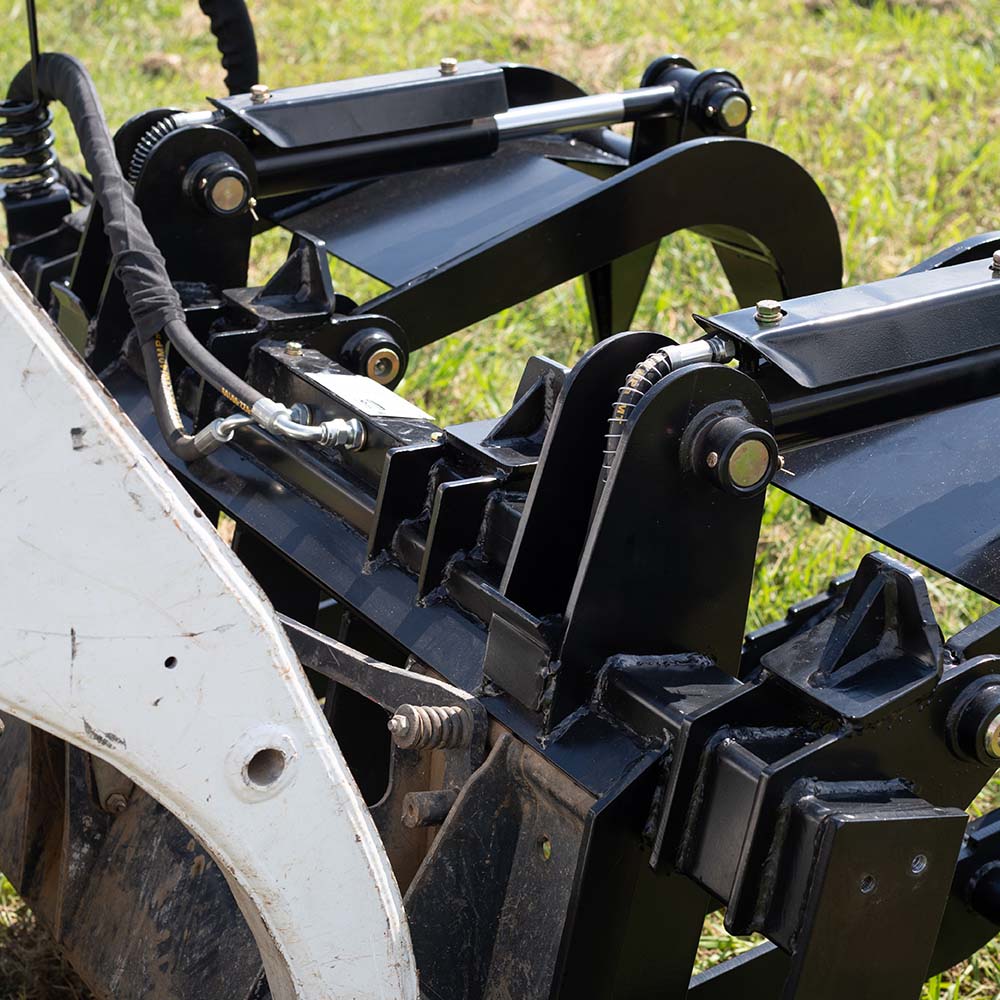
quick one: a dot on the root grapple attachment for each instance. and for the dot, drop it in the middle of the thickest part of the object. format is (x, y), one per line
(469, 712)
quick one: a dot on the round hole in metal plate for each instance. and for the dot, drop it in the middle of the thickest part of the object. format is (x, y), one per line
(265, 767)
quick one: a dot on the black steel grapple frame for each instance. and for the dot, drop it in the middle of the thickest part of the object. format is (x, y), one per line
(631, 761)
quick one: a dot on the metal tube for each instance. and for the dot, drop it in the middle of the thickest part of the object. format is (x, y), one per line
(586, 112)
(819, 412)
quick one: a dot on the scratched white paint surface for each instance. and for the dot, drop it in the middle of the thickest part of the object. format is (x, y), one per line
(107, 572)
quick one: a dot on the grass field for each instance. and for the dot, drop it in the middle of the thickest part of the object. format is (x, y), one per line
(895, 109)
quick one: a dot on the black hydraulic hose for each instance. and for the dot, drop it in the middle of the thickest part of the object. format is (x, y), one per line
(233, 30)
(161, 393)
(153, 302)
(645, 375)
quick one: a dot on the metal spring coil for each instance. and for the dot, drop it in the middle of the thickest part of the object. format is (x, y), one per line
(420, 727)
(26, 127)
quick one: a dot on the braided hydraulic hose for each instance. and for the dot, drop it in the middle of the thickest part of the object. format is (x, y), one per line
(643, 377)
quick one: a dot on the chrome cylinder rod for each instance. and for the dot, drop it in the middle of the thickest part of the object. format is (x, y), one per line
(586, 112)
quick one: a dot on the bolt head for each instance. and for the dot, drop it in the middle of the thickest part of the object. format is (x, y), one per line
(259, 93)
(116, 803)
(768, 311)
(735, 111)
(996, 260)
(991, 738)
(293, 348)
(449, 66)
(712, 459)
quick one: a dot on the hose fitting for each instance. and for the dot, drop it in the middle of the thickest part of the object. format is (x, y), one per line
(337, 433)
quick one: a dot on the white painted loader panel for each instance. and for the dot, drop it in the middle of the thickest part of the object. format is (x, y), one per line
(128, 628)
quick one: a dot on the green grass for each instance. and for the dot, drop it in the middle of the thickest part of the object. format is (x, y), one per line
(895, 109)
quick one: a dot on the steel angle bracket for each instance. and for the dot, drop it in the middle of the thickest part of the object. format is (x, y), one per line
(139, 637)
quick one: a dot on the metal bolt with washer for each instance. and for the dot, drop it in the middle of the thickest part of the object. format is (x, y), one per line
(768, 311)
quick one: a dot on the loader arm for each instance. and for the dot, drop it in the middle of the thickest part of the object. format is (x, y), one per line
(143, 640)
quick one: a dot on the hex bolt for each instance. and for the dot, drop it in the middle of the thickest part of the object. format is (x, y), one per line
(449, 66)
(293, 348)
(735, 111)
(116, 803)
(301, 413)
(768, 311)
(995, 266)
(712, 459)
(260, 93)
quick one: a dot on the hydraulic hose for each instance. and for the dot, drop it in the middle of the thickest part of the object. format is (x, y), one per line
(161, 392)
(644, 376)
(153, 302)
(233, 30)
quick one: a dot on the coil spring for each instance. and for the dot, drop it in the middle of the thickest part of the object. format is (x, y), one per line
(147, 142)
(26, 127)
(420, 727)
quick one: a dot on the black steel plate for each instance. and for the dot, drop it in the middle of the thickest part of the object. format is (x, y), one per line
(403, 226)
(373, 105)
(929, 486)
(864, 330)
